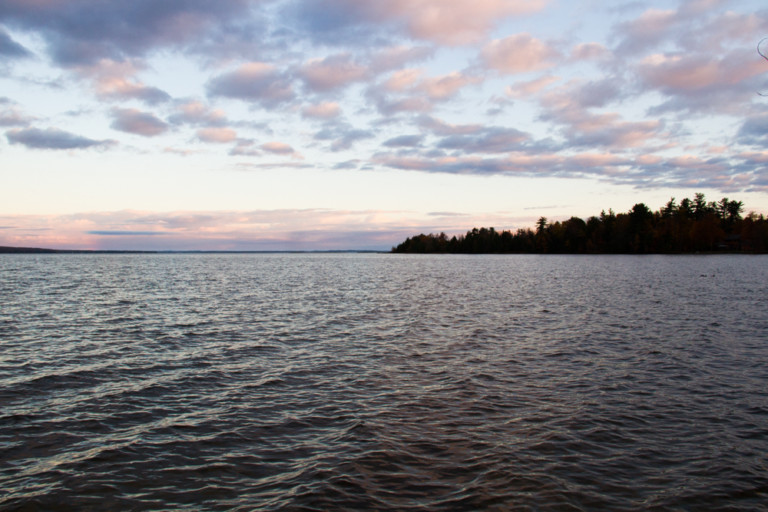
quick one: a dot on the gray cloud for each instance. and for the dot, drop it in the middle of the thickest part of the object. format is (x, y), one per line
(439, 127)
(88, 30)
(333, 72)
(599, 93)
(147, 94)
(11, 115)
(137, 122)
(257, 82)
(335, 21)
(754, 130)
(343, 135)
(490, 140)
(51, 138)
(408, 141)
(10, 48)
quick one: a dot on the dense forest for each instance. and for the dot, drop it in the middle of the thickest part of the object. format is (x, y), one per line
(693, 225)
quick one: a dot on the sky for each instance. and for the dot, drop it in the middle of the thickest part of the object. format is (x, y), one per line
(352, 124)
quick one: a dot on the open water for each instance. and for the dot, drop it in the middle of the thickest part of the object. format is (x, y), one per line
(383, 382)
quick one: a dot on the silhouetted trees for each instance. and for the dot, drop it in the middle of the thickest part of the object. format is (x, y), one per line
(693, 225)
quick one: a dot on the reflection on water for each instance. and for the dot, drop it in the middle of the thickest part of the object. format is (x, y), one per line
(317, 381)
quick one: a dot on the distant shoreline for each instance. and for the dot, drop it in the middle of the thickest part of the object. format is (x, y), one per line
(39, 250)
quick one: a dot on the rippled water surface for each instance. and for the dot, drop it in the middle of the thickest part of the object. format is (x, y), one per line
(387, 382)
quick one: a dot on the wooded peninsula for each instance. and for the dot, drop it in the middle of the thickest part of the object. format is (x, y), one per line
(693, 225)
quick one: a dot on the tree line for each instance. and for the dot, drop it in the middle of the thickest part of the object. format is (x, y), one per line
(692, 225)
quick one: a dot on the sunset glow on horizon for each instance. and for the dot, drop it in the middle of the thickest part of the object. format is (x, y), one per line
(343, 124)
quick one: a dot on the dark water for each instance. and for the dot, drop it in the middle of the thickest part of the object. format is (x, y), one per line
(386, 382)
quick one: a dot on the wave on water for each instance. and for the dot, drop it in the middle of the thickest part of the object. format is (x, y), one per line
(383, 382)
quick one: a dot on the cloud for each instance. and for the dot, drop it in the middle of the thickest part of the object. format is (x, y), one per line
(254, 81)
(439, 127)
(11, 49)
(324, 110)
(343, 136)
(11, 115)
(137, 122)
(129, 233)
(519, 53)
(116, 81)
(281, 148)
(458, 22)
(217, 135)
(685, 74)
(445, 86)
(489, 140)
(336, 71)
(408, 91)
(195, 112)
(589, 51)
(530, 87)
(408, 141)
(83, 32)
(647, 31)
(700, 83)
(609, 130)
(680, 31)
(278, 229)
(645, 171)
(51, 138)
(346, 137)
(754, 131)
(398, 56)
(403, 80)
(409, 104)
(244, 147)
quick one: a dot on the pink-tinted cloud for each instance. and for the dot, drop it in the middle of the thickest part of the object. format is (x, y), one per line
(589, 51)
(218, 135)
(597, 160)
(519, 53)
(332, 72)
(197, 113)
(324, 110)
(685, 74)
(530, 87)
(435, 88)
(403, 80)
(456, 22)
(446, 86)
(285, 229)
(281, 148)
(137, 122)
(757, 157)
(117, 81)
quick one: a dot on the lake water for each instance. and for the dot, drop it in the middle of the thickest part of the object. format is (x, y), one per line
(385, 382)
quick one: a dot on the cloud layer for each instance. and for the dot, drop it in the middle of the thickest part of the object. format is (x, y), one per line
(637, 96)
